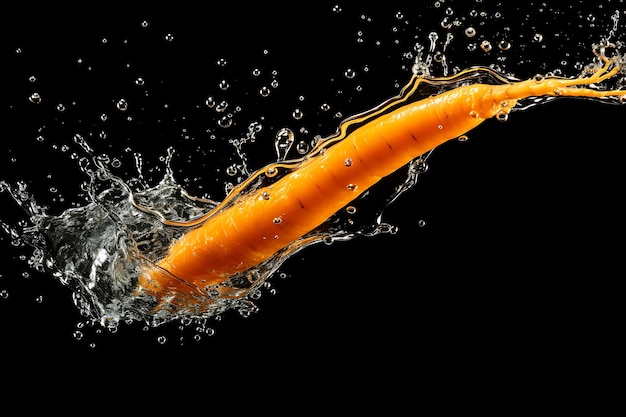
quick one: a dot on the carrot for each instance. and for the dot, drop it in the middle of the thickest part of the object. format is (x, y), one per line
(247, 230)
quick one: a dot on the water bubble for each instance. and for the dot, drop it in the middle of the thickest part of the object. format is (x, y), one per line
(32, 78)
(352, 187)
(271, 172)
(121, 104)
(35, 98)
(302, 147)
(504, 45)
(470, 32)
(485, 46)
(161, 340)
(223, 85)
(264, 91)
(221, 106)
(283, 142)
(421, 223)
(4, 294)
(225, 121)
(144, 24)
(538, 37)
(139, 81)
(349, 73)
(61, 107)
(231, 170)
(348, 162)
(297, 114)
(463, 138)
(210, 102)
(169, 37)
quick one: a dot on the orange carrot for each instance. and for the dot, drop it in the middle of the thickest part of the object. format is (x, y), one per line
(248, 230)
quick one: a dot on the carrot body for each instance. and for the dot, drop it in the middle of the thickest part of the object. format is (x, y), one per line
(258, 225)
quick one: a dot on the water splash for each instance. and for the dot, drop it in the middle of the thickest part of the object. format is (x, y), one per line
(97, 246)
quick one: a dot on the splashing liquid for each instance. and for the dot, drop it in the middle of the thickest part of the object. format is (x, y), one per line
(128, 218)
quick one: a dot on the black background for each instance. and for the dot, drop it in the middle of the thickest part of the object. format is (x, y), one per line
(514, 275)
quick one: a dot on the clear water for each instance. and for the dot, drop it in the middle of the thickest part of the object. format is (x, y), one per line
(132, 201)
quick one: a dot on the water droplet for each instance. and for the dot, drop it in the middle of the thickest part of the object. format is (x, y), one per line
(210, 102)
(139, 81)
(351, 209)
(35, 98)
(231, 170)
(504, 45)
(264, 91)
(221, 106)
(538, 37)
(502, 116)
(485, 46)
(470, 32)
(223, 85)
(169, 37)
(162, 340)
(271, 172)
(349, 73)
(421, 223)
(122, 104)
(348, 162)
(352, 187)
(283, 142)
(302, 147)
(277, 220)
(297, 114)
(4, 294)
(61, 107)
(225, 121)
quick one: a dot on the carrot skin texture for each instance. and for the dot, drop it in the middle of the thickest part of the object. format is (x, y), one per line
(255, 227)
